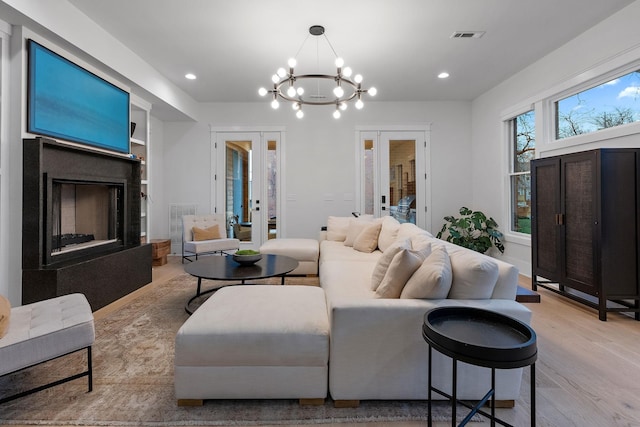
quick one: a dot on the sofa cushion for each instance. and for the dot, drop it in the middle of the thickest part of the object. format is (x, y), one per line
(367, 240)
(408, 229)
(474, 275)
(432, 280)
(337, 227)
(402, 266)
(388, 232)
(5, 315)
(209, 233)
(385, 259)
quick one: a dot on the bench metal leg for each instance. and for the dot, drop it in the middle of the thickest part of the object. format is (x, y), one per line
(88, 373)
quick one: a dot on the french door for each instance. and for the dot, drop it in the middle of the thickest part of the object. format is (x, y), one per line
(246, 190)
(394, 172)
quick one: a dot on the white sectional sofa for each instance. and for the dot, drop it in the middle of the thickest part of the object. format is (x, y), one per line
(367, 338)
(376, 347)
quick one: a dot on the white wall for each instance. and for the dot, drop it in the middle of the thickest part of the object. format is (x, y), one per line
(320, 156)
(609, 43)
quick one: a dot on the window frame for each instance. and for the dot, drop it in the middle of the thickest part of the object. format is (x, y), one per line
(587, 82)
(508, 122)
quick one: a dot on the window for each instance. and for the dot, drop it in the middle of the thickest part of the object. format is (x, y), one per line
(611, 104)
(523, 144)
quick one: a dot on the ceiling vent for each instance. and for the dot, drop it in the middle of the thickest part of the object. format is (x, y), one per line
(467, 34)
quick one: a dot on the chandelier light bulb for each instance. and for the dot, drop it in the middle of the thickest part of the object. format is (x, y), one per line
(262, 91)
(336, 114)
(342, 106)
(292, 62)
(347, 72)
(299, 114)
(300, 91)
(338, 91)
(295, 106)
(282, 72)
(275, 104)
(358, 78)
(339, 62)
(373, 91)
(275, 78)
(291, 91)
(359, 104)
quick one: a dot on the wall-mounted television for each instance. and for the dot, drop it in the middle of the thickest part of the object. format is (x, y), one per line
(68, 102)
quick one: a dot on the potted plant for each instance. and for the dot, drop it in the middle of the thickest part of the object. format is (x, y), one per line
(472, 230)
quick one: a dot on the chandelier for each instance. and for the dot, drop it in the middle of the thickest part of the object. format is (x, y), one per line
(321, 89)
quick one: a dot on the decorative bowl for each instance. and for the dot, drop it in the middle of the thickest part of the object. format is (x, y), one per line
(247, 259)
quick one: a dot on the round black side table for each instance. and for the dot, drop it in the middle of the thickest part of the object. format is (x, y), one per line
(225, 268)
(481, 338)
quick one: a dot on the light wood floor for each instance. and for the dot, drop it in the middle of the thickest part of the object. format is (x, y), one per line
(588, 371)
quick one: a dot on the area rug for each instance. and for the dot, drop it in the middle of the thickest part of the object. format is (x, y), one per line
(133, 379)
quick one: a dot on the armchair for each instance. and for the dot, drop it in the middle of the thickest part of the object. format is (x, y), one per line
(192, 247)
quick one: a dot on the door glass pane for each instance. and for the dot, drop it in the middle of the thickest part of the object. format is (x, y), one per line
(402, 180)
(368, 177)
(238, 189)
(272, 188)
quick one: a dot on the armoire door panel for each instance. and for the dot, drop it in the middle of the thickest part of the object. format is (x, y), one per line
(578, 210)
(545, 197)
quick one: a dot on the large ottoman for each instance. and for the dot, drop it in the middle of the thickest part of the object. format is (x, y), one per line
(255, 342)
(305, 251)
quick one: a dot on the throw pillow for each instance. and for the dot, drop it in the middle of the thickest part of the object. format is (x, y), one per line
(356, 226)
(367, 240)
(383, 262)
(402, 267)
(388, 232)
(5, 314)
(337, 227)
(432, 280)
(474, 275)
(210, 233)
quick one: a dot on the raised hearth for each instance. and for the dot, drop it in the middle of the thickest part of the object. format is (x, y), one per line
(92, 199)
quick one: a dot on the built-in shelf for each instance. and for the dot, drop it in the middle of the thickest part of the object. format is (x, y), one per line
(140, 149)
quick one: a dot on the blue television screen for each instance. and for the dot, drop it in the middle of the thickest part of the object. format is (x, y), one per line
(68, 102)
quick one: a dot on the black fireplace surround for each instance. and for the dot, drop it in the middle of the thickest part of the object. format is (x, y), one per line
(81, 224)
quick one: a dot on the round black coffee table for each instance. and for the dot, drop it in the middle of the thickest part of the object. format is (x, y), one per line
(225, 268)
(482, 338)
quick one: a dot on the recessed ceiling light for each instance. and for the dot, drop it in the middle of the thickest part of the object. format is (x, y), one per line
(443, 75)
(190, 76)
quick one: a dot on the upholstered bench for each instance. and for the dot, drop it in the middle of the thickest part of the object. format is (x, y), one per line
(255, 342)
(46, 330)
(305, 251)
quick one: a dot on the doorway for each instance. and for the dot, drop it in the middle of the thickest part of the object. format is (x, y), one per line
(394, 175)
(247, 185)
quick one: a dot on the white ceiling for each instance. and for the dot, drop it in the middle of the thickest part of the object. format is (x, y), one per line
(234, 46)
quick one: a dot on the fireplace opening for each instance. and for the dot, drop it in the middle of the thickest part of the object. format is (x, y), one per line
(85, 216)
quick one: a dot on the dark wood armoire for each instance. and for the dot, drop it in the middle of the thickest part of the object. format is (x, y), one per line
(585, 231)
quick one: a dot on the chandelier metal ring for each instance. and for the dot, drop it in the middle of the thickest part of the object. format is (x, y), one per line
(278, 89)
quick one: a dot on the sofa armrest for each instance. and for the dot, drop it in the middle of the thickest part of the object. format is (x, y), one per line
(377, 350)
